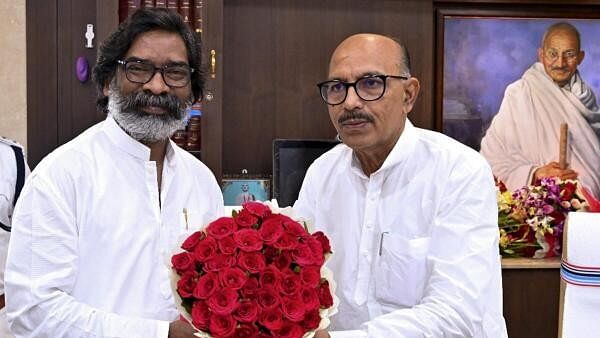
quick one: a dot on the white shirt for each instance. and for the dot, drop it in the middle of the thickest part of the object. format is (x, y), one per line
(90, 239)
(415, 244)
(8, 181)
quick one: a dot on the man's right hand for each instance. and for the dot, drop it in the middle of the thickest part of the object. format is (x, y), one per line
(553, 169)
(181, 329)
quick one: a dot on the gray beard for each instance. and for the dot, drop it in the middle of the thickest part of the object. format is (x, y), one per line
(143, 127)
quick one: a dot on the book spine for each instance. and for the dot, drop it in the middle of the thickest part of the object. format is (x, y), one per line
(161, 3)
(198, 24)
(148, 3)
(185, 11)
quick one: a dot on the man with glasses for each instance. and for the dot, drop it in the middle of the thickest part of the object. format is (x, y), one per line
(411, 213)
(98, 217)
(522, 142)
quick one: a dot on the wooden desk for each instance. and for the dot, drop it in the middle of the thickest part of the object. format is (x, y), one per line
(531, 289)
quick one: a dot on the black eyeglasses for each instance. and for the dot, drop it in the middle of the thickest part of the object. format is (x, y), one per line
(142, 72)
(368, 88)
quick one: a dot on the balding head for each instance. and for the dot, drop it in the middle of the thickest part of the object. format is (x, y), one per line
(366, 41)
(564, 28)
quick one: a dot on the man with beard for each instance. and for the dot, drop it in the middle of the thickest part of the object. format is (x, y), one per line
(522, 143)
(98, 217)
(411, 213)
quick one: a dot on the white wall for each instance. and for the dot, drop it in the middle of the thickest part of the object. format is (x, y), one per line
(13, 81)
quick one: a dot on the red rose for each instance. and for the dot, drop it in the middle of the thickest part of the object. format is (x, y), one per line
(270, 277)
(227, 245)
(232, 278)
(268, 298)
(317, 250)
(270, 230)
(221, 228)
(271, 319)
(568, 190)
(200, 315)
(190, 243)
(222, 325)
(310, 276)
(295, 229)
(286, 241)
(183, 262)
(205, 249)
(325, 297)
(247, 312)
(310, 298)
(223, 301)
(248, 240)
(257, 209)
(246, 331)
(293, 309)
(320, 236)
(245, 219)
(187, 283)
(206, 286)
(219, 262)
(303, 255)
(253, 262)
(283, 261)
(290, 283)
(289, 330)
(250, 289)
(311, 320)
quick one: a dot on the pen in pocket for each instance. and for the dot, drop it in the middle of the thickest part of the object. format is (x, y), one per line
(381, 242)
(185, 217)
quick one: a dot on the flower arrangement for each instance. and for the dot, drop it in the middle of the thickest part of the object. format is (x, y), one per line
(258, 273)
(531, 219)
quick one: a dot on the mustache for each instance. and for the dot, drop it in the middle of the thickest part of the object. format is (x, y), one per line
(170, 103)
(358, 115)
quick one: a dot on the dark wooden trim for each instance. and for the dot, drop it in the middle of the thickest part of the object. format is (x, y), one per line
(42, 102)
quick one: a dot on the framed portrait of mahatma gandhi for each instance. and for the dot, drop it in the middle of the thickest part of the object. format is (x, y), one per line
(239, 189)
(480, 51)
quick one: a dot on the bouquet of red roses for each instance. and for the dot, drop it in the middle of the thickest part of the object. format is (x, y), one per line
(257, 274)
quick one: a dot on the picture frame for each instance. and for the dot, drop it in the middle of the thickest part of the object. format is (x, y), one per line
(238, 189)
(481, 49)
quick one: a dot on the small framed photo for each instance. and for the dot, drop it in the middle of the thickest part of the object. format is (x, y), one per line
(240, 189)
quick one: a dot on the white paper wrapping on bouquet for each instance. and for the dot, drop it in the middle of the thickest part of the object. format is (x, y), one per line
(325, 273)
(581, 304)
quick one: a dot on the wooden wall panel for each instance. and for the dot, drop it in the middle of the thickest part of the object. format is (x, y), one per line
(42, 113)
(276, 51)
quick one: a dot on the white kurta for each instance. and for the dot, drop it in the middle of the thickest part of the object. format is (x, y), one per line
(90, 238)
(525, 133)
(8, 181)
(415, 244)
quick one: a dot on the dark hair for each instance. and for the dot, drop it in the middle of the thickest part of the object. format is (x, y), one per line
(404, 63)
(119, 42)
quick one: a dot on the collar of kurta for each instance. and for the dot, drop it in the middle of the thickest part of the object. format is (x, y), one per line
(120, 139)
(401, 151)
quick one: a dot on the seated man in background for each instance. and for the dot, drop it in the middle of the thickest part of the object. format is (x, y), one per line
(99, 215)
(13, 170)
(522, 143)
(411, 213)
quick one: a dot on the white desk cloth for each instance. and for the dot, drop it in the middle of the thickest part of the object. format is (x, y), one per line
(581, 304)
